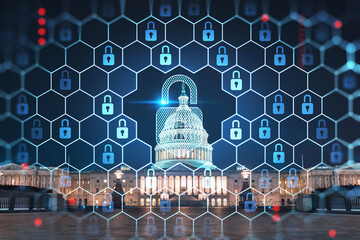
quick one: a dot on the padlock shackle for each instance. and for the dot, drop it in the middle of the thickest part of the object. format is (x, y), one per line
(150, 218)
(307, 96)
(122, 120)
(107, 97)
(252, 196)
(280, 47)
(336, 147)
(236, 72)
(207, 170)
(108, 47)
(36, 121)
(151, 170)
(235, 121)
(278, 96)
(108, 146)
(308, 49)
(22, 98)
(67, 170)
(206, 24)
(152, 23)
(167, 48)
(222, 47)
(63, 73)
(22, 147)
(290, 170)
(207, 221)
(264, 170)
(321, 121)
(181, 219)
(105, 197)
(266, 24)
(262, 123)
(65, 120)
(276, 147)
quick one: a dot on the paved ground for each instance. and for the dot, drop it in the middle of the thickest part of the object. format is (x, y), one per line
(91, 226)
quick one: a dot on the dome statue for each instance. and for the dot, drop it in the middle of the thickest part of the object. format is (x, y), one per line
(183, 137)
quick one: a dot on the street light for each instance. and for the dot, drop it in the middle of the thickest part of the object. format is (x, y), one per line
(245, 174)
(119, 174)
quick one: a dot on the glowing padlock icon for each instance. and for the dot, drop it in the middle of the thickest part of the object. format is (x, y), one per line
(279, 155)
(222, 57)
(108, 56)
(321, 131)
(236, 82)
(65, 131)
(279, 57)
(264, 130)
(122, 131)
(165, 56)
(107, 106)
(235, 131)
(307, 106)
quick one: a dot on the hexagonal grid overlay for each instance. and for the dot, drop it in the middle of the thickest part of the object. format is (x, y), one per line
(291, 98)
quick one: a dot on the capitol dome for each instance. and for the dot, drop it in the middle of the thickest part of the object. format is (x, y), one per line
(183, 137)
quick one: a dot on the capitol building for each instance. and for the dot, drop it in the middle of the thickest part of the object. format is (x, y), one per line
(183, 171)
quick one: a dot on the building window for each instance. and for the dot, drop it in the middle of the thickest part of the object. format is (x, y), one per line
(97, 189)
(213, 203)
(235, 180)
(225, 202)
(219, 202)
(97, 181)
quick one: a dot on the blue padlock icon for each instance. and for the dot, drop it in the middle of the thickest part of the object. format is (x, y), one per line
(264, 130)
(107, 204)
(222, 57)
(349, 81)
(65, 81)
(165, 204)
(264, 181)
(235, 131)
(107, 107)
(278, 154)
(65, 179)
(307, 57)
(265, 33)
(108, 155)
(249, 205)
(250, 8)
(292, 180)
(336, 154)
(65, 33)
(321, 130)
(179, 228)
(36, 130)
(122, 132)
(194, 8)
(165, 9)
(307, 106)
(150, 32)
(278, 105)
(279, 57)
(108, 56)
(22, 107)
(207, 178)
(65, 131)
(236, 82)
(22, 58)
(22, 155)
(208, 32)
(165, 56)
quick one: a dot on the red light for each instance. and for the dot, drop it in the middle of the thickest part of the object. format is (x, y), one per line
(41, 41)
(41, 31)
(37, 222)
(72, 201)
(337, 24)
(41, 11)
(24, 166)
(276, 217)
(332, 233)
(265, 17)
(276, 208)
(41, 21)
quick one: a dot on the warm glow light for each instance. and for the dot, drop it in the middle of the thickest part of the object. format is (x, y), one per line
(245, 173)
